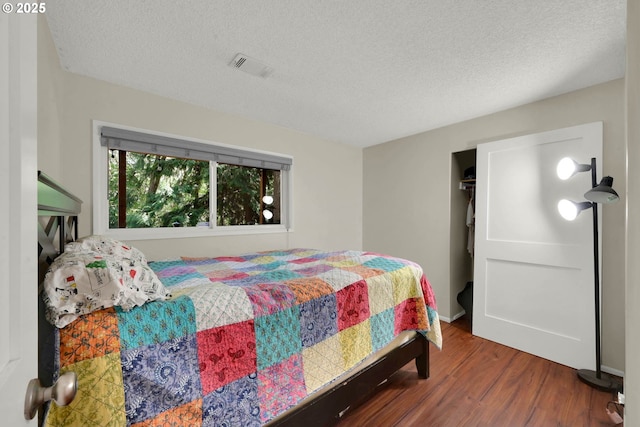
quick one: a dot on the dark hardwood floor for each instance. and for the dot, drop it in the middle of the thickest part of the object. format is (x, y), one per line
(475, 382)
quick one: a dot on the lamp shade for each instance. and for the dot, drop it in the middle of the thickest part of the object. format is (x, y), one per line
(567, 167)
(602, 193)
(569, 210)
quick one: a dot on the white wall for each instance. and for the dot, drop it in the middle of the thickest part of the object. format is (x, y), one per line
(407, 193)
(327, 178)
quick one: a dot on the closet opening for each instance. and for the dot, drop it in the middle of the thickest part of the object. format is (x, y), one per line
(462, 234)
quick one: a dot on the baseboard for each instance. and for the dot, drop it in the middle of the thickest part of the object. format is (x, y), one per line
(612, 371)
(455, 317)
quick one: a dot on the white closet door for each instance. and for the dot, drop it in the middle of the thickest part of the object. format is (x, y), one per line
(533, 279)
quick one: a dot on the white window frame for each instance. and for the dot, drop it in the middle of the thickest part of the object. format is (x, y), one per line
(101, 199)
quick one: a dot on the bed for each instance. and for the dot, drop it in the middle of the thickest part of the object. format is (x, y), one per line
(285, 337)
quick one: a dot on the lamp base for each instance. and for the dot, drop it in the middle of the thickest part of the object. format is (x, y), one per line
(606, 382)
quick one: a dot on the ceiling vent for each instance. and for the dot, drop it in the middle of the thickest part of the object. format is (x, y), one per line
(251, 66)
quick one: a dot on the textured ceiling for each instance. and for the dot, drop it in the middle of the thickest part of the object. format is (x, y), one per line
(359, 72)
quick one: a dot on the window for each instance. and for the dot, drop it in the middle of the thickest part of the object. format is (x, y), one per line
(161, 186)
(247, 195)
(150, 191)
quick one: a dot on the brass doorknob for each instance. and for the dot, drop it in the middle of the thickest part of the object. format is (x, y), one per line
(62, 392)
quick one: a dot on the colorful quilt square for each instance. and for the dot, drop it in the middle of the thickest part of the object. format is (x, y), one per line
(343, 263)
(273, 266)
(181, 279)
(189, 414)
(230, 259)
(277, 336)
(250, 257)
(356, 343)
(381, 296)
(314, 270)
(291, 255)
(155, 323)
(322, 363)
(268, 298)
(353, 304)
(220, 275)
(401, 289)
(166, 265)
(339, 257)
(173, 273)
(89, 337)
(252, 268)
(190, 282)
(427, 292)
(338, 278)
(100, 399)
(434, 334)
(318, 320)
(264, 259)
(383, 263)
(305, 253)
(235, 404)
(308, 288)
(319, 255)
(279, 275)
(304, 260)
(382, 327)
(218, 304)
(226, 354)
(243, 266)
(362, 271)
(194, 261)
(410, 315)
(281, 386)
(160, 377)
(246, 282)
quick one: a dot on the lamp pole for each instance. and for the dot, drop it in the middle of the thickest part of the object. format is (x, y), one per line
(597, 378)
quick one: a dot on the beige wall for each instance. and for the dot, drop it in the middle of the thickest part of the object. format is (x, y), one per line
(49, 92)
(407, 192)
(327, 177)
(632, 368)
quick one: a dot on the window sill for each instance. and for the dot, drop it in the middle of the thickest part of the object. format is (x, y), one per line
(183, 232)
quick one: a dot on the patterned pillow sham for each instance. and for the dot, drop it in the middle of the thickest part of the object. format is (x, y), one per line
(83, 280)
(106, 246)
(144, 279)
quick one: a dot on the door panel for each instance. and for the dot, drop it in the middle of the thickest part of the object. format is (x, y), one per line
(533, 284)
(537, 284)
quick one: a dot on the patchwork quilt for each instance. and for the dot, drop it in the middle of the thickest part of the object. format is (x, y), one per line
(241, 339)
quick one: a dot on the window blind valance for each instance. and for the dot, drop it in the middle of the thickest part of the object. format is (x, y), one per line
(127, 140)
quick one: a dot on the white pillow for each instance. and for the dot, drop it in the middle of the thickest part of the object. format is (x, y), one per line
(97, 273)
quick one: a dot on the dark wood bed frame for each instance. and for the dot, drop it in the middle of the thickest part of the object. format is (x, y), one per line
(58, 212)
